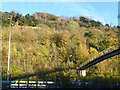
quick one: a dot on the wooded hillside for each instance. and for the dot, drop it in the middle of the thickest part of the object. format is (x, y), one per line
(44, 41)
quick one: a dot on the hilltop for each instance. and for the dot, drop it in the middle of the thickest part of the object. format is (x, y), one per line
(48, 19)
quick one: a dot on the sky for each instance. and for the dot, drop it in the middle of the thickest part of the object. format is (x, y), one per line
(105, 12)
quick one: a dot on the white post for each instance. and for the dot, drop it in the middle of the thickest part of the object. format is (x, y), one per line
(80, 72)
(9, 44)
(83, 73)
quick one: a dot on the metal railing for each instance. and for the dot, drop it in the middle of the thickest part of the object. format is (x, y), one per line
(44, 83)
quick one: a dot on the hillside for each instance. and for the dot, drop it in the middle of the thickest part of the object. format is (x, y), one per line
(56, 42)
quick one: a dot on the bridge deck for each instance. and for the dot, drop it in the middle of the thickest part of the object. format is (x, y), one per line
(100, 57)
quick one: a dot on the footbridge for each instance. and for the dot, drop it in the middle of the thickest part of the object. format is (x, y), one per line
(105, 54)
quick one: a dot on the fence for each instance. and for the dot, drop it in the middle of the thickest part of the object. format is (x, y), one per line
(45, 82)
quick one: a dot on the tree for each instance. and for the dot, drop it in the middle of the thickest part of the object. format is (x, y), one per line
(107, 25)
(94, 23)
(93, 51)
(84, 19)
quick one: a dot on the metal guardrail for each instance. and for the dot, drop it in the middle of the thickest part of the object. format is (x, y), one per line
(108, 50)
(44, 84)
(27, 84)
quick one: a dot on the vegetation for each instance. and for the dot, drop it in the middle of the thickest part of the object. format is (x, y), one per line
(43, 42)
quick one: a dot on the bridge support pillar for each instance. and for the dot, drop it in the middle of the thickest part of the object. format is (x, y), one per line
(82, 73)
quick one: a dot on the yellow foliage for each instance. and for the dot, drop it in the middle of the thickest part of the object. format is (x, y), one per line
(16, 23)
(83, 51)
(93, 50)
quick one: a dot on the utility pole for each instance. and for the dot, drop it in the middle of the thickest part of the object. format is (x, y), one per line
(9, 44)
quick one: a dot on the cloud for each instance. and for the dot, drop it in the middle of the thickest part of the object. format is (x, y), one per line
(78, 9)
(88, 11)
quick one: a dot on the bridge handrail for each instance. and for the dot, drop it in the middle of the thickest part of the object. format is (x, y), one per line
(110, 49)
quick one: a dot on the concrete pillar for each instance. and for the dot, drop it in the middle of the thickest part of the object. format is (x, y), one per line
(82, 73)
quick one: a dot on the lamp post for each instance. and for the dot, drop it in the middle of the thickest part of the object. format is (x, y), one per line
(9, 44)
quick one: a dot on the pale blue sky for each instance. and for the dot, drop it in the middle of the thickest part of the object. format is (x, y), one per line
(105, 12)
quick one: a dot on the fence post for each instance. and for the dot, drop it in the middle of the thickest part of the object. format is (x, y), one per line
(111, 84)
(77, 76)
(18, 81)
(46, 81)
(6, 84)
(36, 81)
(56, 80)
(10, 81)
(27, 81)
